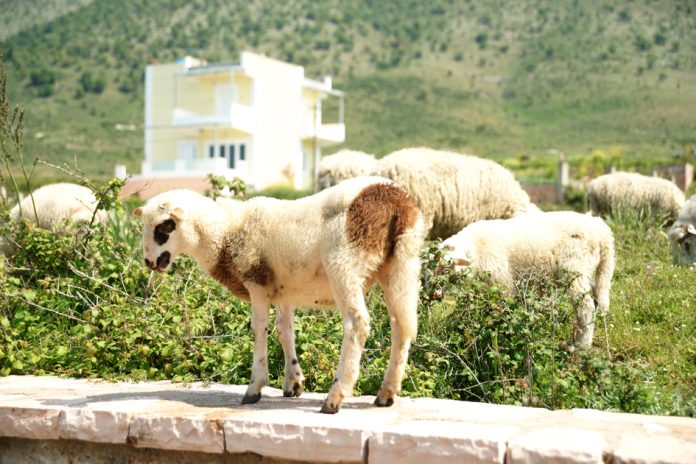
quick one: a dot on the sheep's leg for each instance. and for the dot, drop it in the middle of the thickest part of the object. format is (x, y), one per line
(401, 297)
(356, 327)
(585, 318)
(259, 330)
(292, 384)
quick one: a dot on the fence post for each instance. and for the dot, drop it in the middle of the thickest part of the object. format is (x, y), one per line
(563, 179)
(688, 176)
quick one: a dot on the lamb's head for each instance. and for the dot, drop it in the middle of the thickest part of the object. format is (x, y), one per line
(682, 237)
(166, 232)
(460, 250)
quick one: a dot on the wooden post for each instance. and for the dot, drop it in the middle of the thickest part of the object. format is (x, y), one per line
(563, 179)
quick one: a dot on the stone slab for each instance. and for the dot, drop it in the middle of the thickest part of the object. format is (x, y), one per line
(209, 419)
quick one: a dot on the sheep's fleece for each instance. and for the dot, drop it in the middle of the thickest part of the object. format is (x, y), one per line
(59, 202)
(323, 250)
(682, 235)
(343, 165)
(453, 190)
(633, 191)
(544, 244)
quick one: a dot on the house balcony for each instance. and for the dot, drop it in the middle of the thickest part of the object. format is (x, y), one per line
(235, 115)
(326, 134)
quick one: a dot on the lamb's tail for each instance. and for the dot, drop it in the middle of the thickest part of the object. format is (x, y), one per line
(605, 272)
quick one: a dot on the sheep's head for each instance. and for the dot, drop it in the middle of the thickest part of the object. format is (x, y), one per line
(164, 234)
(683, 241)
(460, 251)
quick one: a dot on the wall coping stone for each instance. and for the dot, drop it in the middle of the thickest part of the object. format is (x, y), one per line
(209, 418)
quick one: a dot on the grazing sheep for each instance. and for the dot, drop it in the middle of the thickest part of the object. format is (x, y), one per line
(343, 165)
(682, 235)
(454, 190)
(548, 244)
(323, 250)
(59, 202)
(607, 193)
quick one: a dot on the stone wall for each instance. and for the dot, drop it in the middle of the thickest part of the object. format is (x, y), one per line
(49, 419)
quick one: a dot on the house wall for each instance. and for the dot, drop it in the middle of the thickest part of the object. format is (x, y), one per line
(277, 157)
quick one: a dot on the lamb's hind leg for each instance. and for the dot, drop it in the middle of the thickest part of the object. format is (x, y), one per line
(259, 329)
(400, 285)
(356, 327)
(292, 383)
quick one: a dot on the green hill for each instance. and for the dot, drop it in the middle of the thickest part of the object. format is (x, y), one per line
(495, 78)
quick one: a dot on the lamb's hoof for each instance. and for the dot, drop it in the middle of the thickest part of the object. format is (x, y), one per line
(384, 402)
(296, 391)
(251, 399)
(328, 408)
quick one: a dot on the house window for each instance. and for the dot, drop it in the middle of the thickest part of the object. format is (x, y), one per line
(222, 151)
(231, 159)
(242, 152)
(211, 151)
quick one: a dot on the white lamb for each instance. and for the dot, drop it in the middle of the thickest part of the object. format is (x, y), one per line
(343, 165)
(546, 244)
(56, 203)
(682, 235)
(633, 191)
(454, 190)
(323, 250)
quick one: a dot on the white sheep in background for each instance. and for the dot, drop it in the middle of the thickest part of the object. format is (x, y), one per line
(635, 192)
(323, 250)
(682, 235)
(343, 165)
(59, 202)
(545, 244)
(454, 190)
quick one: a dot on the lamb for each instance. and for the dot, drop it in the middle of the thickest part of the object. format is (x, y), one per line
(343, 165)
(56, 203)
(323, 250)
(547, 244)
(682, 235)
(454, 190)
(607, 193)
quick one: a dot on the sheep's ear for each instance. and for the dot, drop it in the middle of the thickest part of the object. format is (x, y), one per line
(690, 229)
(177, 214)
(138, 212)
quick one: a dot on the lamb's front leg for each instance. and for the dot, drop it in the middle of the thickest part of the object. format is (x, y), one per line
(259, 329)
(285, 324)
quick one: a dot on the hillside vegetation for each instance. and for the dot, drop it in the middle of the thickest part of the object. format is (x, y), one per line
(493, 78)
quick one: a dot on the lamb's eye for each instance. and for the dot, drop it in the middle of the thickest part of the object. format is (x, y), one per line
(163, 230)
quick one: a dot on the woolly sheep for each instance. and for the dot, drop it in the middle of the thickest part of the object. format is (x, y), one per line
(633, 191)
(323, 250)
(454, 190)
(343, 165)
(56, 203)
(682, 235)
(547, 244)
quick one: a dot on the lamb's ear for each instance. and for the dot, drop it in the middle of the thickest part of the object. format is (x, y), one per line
(138, 212)
(690, 229)
(177, 214)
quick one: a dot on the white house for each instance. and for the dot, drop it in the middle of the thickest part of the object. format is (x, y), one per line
(259, 120)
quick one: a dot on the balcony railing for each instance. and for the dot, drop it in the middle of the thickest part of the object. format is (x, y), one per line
(235, 115)
(326, 133)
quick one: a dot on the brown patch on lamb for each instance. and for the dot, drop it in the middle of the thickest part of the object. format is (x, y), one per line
(259, 273)
(378, 216)
(225, 271)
